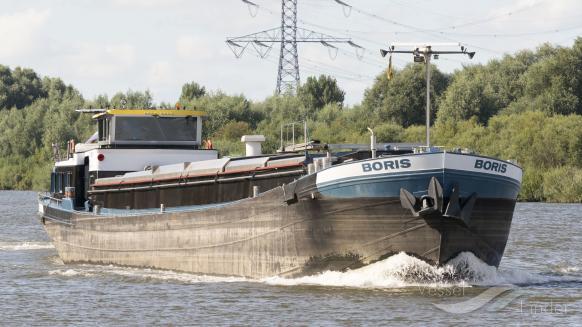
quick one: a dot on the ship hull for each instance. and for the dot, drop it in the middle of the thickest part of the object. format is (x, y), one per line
(315, 224)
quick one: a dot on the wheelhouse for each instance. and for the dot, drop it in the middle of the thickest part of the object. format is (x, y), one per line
(124, 142)
(176, 128)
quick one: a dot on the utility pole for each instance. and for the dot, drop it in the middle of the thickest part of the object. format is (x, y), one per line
(427, 71)
(288, 35)
(423, 53)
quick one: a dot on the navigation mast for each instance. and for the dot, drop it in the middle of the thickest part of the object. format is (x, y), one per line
(423, 52)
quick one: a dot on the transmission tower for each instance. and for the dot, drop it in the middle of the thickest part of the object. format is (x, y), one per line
(288, 35)
(288, 75)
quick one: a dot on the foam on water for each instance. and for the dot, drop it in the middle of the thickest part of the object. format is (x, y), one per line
(477, 272)
(70, 273)
(569, 269)
(397, 271)
(22, 246)
(402, 270)
(142, 274)
(566, 269)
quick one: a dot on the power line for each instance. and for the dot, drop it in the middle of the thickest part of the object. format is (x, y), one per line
(414, 29)
(492, 18)
(262, 42)
(437, 32)
(341, 31)
(371, 61)
(287, 36)
(493, 35)
(510, 35)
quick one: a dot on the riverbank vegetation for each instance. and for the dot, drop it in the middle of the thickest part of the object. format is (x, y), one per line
(525, 106)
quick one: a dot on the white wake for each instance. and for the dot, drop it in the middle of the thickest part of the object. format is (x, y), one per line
(397, 271)
(141, 274)
(21, 246)
(402, 270)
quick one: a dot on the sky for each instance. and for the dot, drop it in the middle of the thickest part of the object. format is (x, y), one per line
(102, 47)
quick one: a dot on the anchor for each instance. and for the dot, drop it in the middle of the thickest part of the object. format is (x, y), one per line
(432, 202)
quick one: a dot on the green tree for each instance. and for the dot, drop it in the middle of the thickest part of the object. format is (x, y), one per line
(191, 91)
(466, 97)
(553, 84)
(19, 87)
(316, 92)
(482, 91)
(233, 131)
(132, 100)
(57, 91)
(389, 132)
(402, 100)
(101, 101)
(222, 108)
(546, 80)
(277, 111)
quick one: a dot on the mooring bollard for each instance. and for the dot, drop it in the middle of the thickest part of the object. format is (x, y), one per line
(255, 191)
(162, 207)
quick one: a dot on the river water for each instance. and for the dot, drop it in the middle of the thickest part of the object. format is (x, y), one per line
(539, 282)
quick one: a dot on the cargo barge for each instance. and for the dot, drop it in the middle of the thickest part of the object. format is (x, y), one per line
(145, 192)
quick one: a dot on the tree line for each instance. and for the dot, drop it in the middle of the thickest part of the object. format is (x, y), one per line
(525, 106)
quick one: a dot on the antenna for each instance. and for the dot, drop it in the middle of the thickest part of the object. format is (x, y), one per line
(287, 35)
(423, 52)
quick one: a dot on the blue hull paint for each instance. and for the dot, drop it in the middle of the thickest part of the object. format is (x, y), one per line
(389, 185)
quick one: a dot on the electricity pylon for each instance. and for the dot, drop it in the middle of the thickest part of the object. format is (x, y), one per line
(288, 35)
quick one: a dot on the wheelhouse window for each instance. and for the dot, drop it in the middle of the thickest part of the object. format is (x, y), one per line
(103, 129)
(152, 128)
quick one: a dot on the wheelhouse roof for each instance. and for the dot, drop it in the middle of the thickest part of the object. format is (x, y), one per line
(151, 112)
